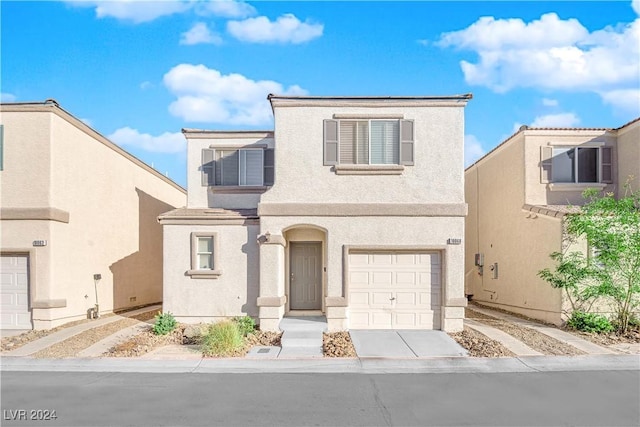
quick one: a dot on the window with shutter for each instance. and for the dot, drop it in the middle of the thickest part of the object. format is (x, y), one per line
(208, 167)
(368, 142)
(241, 167)
(576, 165)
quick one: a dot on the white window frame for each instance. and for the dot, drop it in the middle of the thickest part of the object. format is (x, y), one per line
(204, 273)
(576, 166)
(369, 121)
(240, 168)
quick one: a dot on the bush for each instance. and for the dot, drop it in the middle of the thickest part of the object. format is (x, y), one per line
(222, 339)
(246, 325)
(165, 323)
(589, 322)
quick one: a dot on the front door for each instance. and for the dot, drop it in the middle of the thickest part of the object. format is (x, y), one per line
(305, 276)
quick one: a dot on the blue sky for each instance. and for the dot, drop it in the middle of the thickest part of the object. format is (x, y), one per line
(139, 72)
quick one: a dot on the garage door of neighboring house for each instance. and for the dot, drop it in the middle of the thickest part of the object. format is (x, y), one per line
(14, 292)
(394, 290)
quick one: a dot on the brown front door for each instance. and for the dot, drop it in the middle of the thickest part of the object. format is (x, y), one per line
(305, 268)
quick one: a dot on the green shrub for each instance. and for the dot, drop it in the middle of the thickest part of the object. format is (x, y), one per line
(165, 323)
(589, 322)
(222, 339)
(245, 324)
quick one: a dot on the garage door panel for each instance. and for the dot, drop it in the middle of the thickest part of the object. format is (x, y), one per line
(359, 299)
(406, 279)
(381, 319)
(381, 299)
(382, 278)
(359, 259)
(381, 259)
(405, 298)
(406, 259)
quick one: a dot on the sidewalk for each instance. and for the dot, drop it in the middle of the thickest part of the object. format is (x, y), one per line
(326, 365)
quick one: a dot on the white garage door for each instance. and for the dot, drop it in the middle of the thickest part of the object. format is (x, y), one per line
(14, 292)
(394, 290)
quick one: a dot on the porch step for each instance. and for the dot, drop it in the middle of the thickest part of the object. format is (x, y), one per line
(302, 336)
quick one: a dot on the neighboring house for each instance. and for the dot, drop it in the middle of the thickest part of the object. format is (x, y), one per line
(73, 205)
(518, 196)
(353, 208)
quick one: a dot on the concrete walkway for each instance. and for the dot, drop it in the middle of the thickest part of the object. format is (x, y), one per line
(66, 333)
(562, 336)
(302, 336)
(405, 344)
(101, 347)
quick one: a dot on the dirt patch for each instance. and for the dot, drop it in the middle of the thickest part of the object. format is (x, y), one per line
(75, 344)
(479, 345)
(17, 341)
(337, 344)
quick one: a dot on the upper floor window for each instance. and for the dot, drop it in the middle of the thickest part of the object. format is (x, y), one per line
(248, 167)
(368, 142)
(576, 164)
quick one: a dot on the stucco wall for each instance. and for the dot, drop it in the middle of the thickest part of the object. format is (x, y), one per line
(233, 293)
(629, 157)
(537, 193)
(374, 232)
(200, 196)
(301, 177)
(519, 242)
(112, 204)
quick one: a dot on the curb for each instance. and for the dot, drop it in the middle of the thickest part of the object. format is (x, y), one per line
(346, 365)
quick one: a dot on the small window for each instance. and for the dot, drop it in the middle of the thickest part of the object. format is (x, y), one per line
(204, 256)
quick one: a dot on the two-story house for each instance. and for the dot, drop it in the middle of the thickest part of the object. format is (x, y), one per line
(352, 208)
(518, 195)
(78, 220)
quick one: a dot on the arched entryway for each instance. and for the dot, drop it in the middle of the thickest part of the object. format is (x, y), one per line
(305, 266)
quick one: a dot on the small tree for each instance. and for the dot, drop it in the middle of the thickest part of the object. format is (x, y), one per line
(612, 271)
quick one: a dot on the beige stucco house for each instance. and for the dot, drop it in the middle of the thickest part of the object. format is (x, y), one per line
(73, 204)
(518, 195)
(352, 208)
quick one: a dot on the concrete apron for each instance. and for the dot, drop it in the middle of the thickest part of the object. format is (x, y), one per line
(405, 344)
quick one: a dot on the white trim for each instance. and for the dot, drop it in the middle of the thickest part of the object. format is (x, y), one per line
(573, 186)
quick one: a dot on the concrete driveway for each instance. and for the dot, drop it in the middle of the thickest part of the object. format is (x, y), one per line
(405, 343)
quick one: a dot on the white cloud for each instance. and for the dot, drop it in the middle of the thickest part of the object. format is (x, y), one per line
(472, 150)
(199, 34)
(146, 85)
(547, 102)
(165, 143)
(226, 8)
(623, 100)
(286, 29)
(136, 11)
(549, 53)
(206, 95)
(561, 120)
(635, 4)
(7, 97)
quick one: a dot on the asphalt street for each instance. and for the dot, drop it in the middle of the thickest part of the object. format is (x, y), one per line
(588, 398)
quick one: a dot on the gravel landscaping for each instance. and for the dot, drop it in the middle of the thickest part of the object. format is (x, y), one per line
(479, 345)
(337, 344)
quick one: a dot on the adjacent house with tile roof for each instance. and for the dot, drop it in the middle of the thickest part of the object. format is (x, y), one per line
(73, 206)
(351, 208)
(518, 196)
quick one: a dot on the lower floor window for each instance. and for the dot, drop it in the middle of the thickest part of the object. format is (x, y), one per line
(205, 253)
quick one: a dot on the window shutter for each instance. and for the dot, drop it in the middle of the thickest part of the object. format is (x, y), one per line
(407, 142)
(546, 156)
(330, 142)
(268, 167)
(208, 167)
(607, 169)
